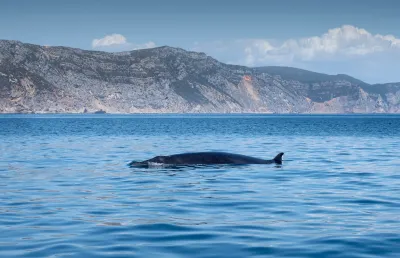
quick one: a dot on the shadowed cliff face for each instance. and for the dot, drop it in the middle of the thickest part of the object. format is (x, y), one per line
(60, 79)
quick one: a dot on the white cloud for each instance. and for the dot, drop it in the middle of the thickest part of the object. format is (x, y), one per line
(149, 44)
(109, 40)
(326, 53)
(118, 42)
(344, 42)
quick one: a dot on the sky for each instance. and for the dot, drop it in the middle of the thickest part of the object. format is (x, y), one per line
(360, 38)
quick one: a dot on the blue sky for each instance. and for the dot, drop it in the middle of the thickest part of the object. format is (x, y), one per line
(360, 37)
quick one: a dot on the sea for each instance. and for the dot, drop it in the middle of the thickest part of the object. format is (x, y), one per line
(66, 189)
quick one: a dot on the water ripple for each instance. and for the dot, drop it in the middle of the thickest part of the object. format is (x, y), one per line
(66, 189)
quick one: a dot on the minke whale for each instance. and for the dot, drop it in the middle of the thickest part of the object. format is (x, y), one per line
(204, 158)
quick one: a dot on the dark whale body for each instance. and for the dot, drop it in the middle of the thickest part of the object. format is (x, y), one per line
(205, 158)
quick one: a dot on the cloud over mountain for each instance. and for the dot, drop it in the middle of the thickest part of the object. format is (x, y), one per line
(109, 40)
(118, 42)
(349, 46)
(346, 41)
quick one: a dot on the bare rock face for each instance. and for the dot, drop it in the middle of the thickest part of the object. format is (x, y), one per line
(37, 79)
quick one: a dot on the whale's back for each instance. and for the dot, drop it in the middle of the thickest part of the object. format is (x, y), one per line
(204, 158)
(212, 158)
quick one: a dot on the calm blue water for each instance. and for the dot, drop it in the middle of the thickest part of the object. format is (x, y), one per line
(66, 189)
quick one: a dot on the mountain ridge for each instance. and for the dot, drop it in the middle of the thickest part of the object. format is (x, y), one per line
(58, 79)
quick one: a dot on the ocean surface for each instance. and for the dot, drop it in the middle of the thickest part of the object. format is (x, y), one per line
(66, 189)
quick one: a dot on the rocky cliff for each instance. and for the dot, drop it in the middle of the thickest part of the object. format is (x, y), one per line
(43, 79)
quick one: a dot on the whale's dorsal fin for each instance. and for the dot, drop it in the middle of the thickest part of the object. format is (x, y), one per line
(278, 158)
